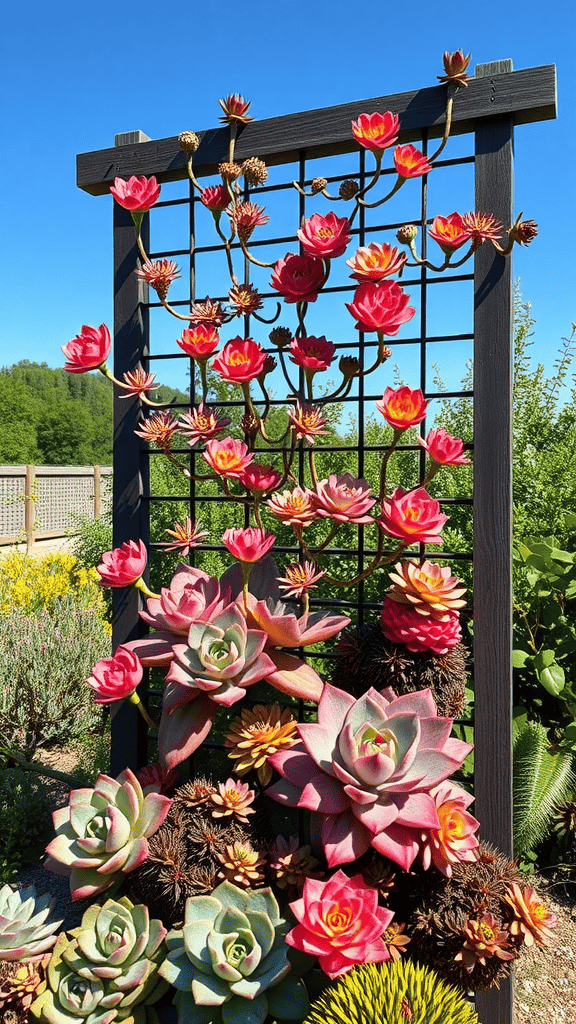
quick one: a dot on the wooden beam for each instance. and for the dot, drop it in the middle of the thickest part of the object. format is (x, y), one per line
(525, 96)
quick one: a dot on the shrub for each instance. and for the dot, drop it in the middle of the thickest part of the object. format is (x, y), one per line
(26, 822)
(44, 661)
(30, 584)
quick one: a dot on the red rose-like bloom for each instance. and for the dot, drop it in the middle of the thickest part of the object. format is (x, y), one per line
(199, 342)
(340, 922)
(228, 458)
(444, 449)
(376, 261)
(216, 198)
(376, 131)
(258, 478)
(312, 353)
(124, 565)
(241, 360)
(115, 678)
(412, 516)
(403, 625)
(380, 307)
(345, 499)
(455, 840)
(88, 350)
(298, 278)
(138, 194)
(410, 162)
(450, 233)
(402, 408)
(249, 544)
(326, 237)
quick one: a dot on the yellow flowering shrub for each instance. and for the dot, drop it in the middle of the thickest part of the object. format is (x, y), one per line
(32, 583)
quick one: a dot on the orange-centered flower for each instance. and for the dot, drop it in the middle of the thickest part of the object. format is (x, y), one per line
(376, 131)
(257, 733)
(410, 162)
(402, 408)
(429, 588)
(376, 261)
(228, 458)
(449, 232)
(533, 920)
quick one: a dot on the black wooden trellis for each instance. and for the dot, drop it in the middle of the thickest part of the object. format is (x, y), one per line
(496, 100)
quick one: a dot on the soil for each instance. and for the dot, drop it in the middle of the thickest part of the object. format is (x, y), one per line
(545, 985)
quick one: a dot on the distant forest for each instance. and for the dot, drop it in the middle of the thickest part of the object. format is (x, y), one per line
(54, 418)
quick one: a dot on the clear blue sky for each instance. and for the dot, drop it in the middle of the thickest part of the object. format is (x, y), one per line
(73, 76)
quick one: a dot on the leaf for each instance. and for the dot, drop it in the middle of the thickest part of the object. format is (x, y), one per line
(552, 679)
(520, 658)
(542, 780)
(543, 659)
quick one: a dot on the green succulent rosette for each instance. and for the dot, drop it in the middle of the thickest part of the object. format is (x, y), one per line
(107, 969)
(229, 962)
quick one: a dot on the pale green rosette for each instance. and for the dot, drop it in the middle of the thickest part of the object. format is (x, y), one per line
(107, 969)
(229, 963)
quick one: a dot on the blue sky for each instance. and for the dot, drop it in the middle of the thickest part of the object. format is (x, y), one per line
(75, 77)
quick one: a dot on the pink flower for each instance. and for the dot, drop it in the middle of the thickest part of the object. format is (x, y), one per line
(235, 109)
(365, 770)
(376, 131)
(153, 778)
(199, 342)
(88, 350)
(299, 578)
(258, 478)
(186, 535)
(228, 458)
(160, 275)
(325, 237)
(340, 922)
(444, 449)
(312, 354)
(241, 360)
(215, 198)
(202, 424)
(307, 421)
(454, 841)
(244, 217)
(450, 232)
(380, 306)
(192, 596)
(412, 516)
(124, 565)
(376, 261)
(298, 278)
(402, 408)
(137, 382)
(345, 499)
(294, 507)
(137, 194)
(115, 678)
(410, 162)
(402, 624)
(248, 544)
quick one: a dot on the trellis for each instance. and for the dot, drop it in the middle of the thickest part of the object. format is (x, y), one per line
(496, 100)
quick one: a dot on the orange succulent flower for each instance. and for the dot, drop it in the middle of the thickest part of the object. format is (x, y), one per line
(241, 864)
(533, 920)
(376, 261)
(429, 588)
(232, 800)
(376, 131)
(484, 939)
(395, 940)
(410, 162)
(257, 733)
(449, 232)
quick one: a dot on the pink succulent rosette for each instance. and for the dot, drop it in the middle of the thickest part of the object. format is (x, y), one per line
(88, 350)
(312, 354)
(376, 131)
(116, 678)
(138, 194)
(215, 198)
(102, 833)
(340, 922)
(365, 770)
(258, 478)
(220, 659)
(404, 625)
(376, 261)
(241, 360)
(228, 457)
(412, 516)
(380, 306)
(298, 278)
(345, 499)
(124, 565)
(455, 840)
(248, 544)
(325, 237)
(444, 449)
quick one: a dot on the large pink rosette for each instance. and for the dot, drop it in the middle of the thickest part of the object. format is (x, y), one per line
(365, 771)
(340, 922)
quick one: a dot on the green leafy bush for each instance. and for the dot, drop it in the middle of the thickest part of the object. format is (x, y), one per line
(44, 663)
(543, 779)
(26, 821)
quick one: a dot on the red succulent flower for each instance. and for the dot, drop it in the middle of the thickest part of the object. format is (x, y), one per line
(244, 299)
(345, 499)
(380, 306)
(186, 535)
(159, 428)
(410, 162)
(449, 232)
(138, 194)
(138, 382)
(312, 354)
(376, 261)
(307, 421)
(122, 566)
(235, 109)
(199, 342)
(208, 313)
(258, 478)
(249, 544)
(298, 278)
(402, 624)
(241, 360)
(216, 198)
(295, 507)
(88, 350)
(376, 131)
(117, 677)
(228, 458)
(444, 449)
(245, 217)
(402, 408)
(412, 516)
(325, 237)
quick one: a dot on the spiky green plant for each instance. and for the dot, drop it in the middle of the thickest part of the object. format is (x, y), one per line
(392, 994)
(542, 781)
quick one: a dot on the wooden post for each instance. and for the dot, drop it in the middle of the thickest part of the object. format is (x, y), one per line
(493, 308)
(97, 492)
(29, 507)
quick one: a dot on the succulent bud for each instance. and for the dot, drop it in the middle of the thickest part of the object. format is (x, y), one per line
(249, 424)
(280, 336)
(189, 142)
(523, 231)
(348, 189)
(229, 171)
(407, 234)
(254, 171)
(455, 65)
(349, 367)
(318, 184)
(385, 353)
(235, 109)
(270, 365)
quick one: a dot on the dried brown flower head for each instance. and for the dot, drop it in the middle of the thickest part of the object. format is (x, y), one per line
(255, 171)
(455, 65)
(289, 864)
(348, 189)
(318, 184)
(406, 234)
(208, 313)
(281, 336)
(20, 983)
(244, 299)
(349, 367)
(189, 142)
(195, 793)
(229, 171)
